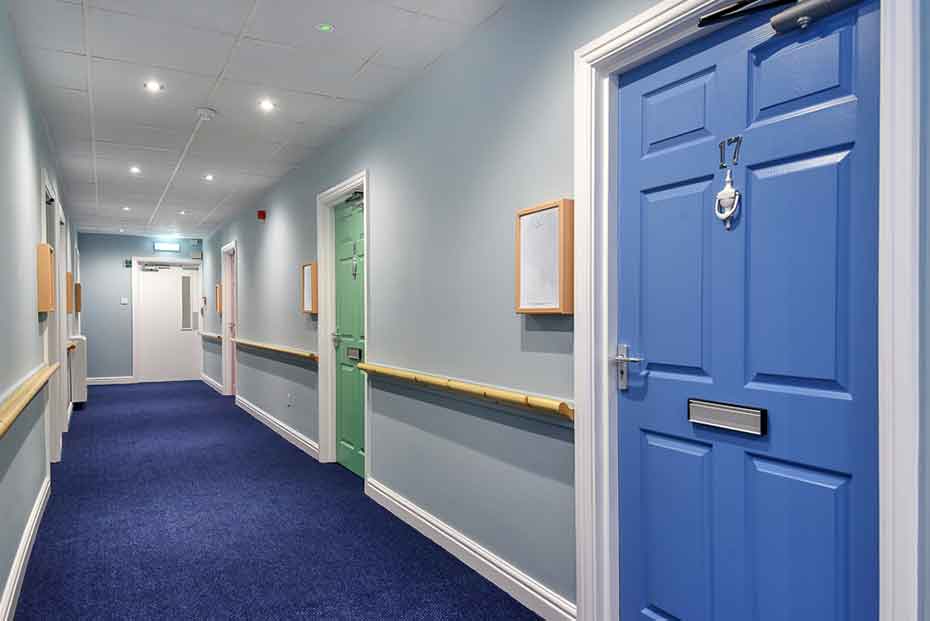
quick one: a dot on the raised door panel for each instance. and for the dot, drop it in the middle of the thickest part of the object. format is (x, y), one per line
(677, 528)
(674, 279)
(797, 541)
(797, 292)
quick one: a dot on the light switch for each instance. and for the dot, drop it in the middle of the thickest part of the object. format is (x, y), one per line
(124, 301)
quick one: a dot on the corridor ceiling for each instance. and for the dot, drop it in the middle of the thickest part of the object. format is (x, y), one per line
(135, 157)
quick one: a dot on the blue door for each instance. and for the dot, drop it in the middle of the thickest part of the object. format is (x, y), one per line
(773, 309)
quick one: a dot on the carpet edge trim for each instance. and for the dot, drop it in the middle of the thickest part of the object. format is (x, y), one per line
(521, 586)
(284, 430)
(14, 581)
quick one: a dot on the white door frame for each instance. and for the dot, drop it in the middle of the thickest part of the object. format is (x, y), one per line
(135, 289)
(326, 257)
(53, 438)
(670, 24)
(229, 252)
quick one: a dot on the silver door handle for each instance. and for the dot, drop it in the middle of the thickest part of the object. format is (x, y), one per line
(623, 359)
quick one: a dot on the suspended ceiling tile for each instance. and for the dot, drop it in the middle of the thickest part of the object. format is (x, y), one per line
(67, 113)
(195, 193)
(472, 12)
(216, 15)
(419, 41)
(117, 189)
(79, 191)
(119, 94)
(126, 37)
(76, 166)
(359, 25)
(237, 103)
(50, 24)
(122, 157)
(377, 82)
(221, 137)
(54, 69)
(335, 112)
(120, 131)
(295, 69)
(313, 134)
(295, 153)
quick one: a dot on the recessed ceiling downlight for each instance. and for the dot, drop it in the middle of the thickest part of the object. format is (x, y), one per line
(266, 105)
(135, 170)
(153, 86)
(127, 208)
(208, 177)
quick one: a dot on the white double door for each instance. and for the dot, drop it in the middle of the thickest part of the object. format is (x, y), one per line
(168, 320)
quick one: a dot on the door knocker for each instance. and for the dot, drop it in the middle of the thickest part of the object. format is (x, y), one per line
(727, 203)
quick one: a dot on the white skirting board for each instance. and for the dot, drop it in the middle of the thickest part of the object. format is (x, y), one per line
(527, 590)
(102, 381)
(212, 383)
(284, 430)
(14, 581)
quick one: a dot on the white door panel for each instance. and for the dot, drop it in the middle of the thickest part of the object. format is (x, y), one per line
(167, 335)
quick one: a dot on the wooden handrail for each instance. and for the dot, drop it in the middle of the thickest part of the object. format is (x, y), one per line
(14, 405)
(212, 336)
(282, 349)
(535, 402)
(72, 346)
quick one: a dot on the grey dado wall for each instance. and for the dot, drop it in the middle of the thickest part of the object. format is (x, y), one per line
(213, 360)
(24, 153)
(283, 386)
(106, 280)
(487, 131)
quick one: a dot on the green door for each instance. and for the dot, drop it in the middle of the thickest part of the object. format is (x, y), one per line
(350, 335)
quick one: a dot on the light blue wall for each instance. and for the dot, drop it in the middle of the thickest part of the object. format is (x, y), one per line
(105, 280)
(23, 154)
(486, 132)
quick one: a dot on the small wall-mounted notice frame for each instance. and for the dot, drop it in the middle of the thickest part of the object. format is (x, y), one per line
(218, 292)
(309, 294)
(545, 258)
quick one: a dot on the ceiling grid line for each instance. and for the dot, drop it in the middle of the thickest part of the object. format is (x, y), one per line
(90, 105)
(203, 114)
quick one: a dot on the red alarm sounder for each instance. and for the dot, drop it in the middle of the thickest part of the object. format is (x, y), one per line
(262, 215)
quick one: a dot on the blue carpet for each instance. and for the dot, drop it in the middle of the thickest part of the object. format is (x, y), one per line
(172, 503)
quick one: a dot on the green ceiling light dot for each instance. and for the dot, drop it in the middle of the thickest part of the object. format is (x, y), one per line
(325, 27)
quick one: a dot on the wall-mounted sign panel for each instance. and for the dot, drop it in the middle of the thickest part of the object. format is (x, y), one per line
(544, 258)
(167, 246)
